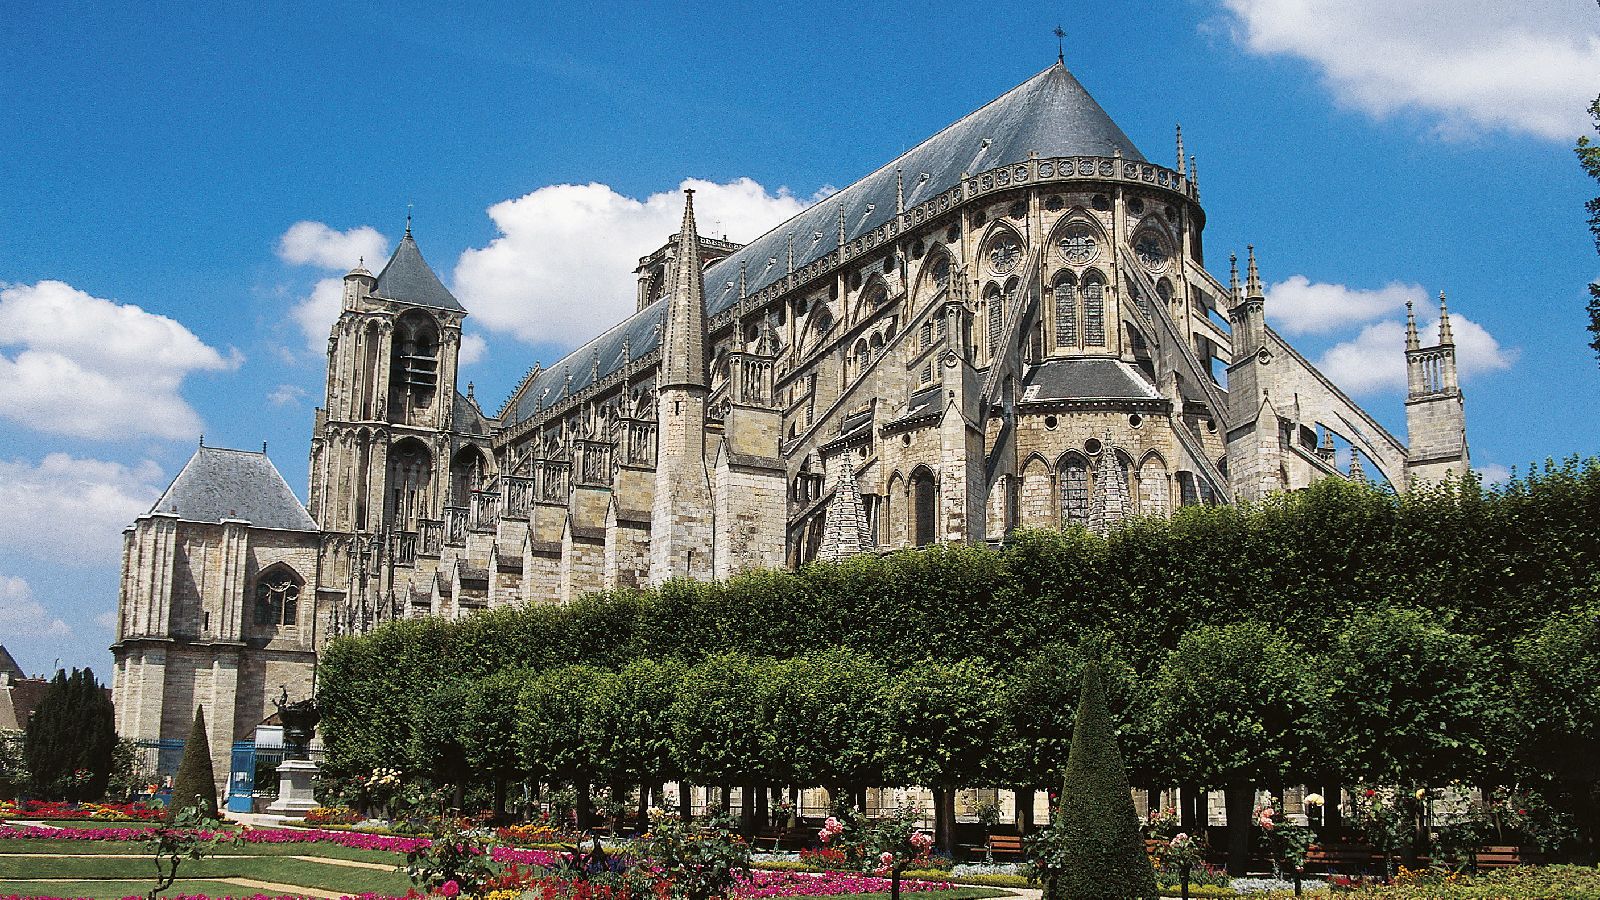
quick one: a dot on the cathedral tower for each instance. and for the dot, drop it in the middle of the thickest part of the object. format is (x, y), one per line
(1436, 417)
(681, 532)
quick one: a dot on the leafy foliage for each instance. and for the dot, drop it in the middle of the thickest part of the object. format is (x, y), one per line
(1589, 157)
(191, 834)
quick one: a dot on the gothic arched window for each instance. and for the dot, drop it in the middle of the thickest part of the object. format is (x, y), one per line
(924, 508)
(1074, 491)
(993, 310)
(1066, 301)
(1094, 310)
(277, 597)
(1155, 495)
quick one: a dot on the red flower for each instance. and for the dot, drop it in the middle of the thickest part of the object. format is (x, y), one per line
(1371, 792)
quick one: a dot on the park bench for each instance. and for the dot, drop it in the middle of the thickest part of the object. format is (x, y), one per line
(1496, 856)
(1344, 858)
(1000, 845)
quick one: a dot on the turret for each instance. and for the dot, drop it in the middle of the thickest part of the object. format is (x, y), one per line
(1436, 418)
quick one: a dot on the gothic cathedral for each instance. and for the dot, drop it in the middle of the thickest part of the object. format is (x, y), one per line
(1011, 325)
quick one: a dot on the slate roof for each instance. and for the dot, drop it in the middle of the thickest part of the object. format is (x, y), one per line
(468, 418)
(1086, 379)
(217, 483)
(1051, 114)
(926, 402)
(8, 666)
(408, 277)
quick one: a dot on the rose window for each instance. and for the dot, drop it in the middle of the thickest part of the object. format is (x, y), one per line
(1078, 246)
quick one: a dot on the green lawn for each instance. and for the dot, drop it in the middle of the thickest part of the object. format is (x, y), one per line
(238, 862)
(116, 890)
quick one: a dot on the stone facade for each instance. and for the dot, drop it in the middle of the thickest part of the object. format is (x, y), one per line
(1011, 325)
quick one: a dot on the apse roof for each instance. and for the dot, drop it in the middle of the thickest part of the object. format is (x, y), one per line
(408, 277)
(1086, 379)
(1050, 114)
(218, 484)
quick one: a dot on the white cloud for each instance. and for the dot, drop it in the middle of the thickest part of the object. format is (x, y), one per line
(107, 620)
(317, 312)
(1493, 473)
(1374, 360)
(1299, 305)
(562, 268)
(1471, 65)
(72, 510)
(322, 246)
(96, 368)
(316, 244)
(286, 395)
(473, 349)
(23, 616)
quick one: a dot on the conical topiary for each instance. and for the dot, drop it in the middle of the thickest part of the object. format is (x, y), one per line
(195, 785)
(1104, 849)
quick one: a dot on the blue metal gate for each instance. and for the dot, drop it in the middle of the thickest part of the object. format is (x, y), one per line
(242, 779)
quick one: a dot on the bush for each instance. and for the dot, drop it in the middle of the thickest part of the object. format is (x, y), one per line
(1104, 849)
(71, 739)
(196, 786)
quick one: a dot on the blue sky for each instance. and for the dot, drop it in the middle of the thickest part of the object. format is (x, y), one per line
(156, 162)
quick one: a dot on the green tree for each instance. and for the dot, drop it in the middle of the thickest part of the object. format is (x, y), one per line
(1589, 157)
(195, 787)
(490, 738)
(943, 718)
(829, 706)
(1556, 690)
(13, 763)
(71, 738)
(1105, 854)
(437, 743)
(559, 731)
(1402, 700)
(1231, 703)
(637, 704)
(722, 725)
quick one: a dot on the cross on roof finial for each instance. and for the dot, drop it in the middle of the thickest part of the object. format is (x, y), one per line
(408, 218)
(1061, 45)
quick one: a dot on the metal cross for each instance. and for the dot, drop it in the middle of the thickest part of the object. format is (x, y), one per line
(1061, 46)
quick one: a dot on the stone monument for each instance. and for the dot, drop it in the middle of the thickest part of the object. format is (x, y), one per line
(297, 772)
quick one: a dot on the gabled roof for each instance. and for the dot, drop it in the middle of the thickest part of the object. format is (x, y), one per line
(1050, 114)
(408, 278)
(8, 666)
(218, 484)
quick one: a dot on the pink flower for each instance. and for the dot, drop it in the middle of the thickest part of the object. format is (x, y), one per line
(450, 888)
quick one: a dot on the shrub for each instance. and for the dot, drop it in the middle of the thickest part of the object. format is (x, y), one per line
(196, 786)
(71, 738)
(1104, 850)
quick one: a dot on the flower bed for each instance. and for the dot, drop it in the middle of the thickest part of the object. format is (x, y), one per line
(59, 811)
(332, 815)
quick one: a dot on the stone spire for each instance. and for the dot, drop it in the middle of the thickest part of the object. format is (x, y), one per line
(1110, 503)
(1357, 473)
(1181, 169)
(1412, 342)
(683, 351)
(1252, 283)
(1233, 279)
(844, 524)
(1446, 339)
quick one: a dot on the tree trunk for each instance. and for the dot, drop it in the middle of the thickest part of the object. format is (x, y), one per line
(685, 800)
(724, 798)
(581, 789)
(763, 814)
(1023, 809)
(499, 798)
(944, 800)
(1240, 800)
(747, 810)
(1332, 817)
(1188, 808)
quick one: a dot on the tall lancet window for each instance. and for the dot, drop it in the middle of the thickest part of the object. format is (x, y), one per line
(1074, 477)
(993, 307)
(1094, 310)
(1066, 302)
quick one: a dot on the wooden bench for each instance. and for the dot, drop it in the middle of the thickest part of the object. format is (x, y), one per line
(1497, 856)
(1000, 845)
(1344, 858)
